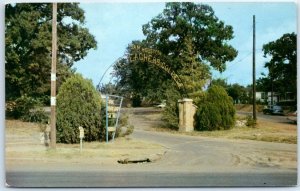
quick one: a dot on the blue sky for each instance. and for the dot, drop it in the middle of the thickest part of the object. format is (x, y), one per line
(115, 25)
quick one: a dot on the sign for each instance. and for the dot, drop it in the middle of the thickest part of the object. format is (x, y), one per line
(149, 55)
(81, 132)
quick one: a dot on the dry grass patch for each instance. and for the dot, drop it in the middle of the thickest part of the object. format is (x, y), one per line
(22, 143)
(264, 131)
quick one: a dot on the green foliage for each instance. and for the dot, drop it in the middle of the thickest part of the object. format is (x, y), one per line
(238, 93)
(37, 115)
(129, 130)
(282, 65)
(123, 121)
(220, 82)
(28, 46)
(78, 104)
(136, 100)
(188, 38)
(171, 112)
(20, 106)
(27, 109)
(250, 122)
(215, 110)
(197, 23)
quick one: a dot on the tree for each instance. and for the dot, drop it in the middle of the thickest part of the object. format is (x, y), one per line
(237, 92)
(78, 104)
(189, 39)
(108, 88)
(28, 46)
(282, 65)
(220, 82)
(194, 23)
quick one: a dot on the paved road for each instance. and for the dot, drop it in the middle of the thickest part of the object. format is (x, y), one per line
(272, 118)
(188, 161)
(147, 179)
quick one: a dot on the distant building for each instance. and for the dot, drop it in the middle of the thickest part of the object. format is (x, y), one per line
(266, 97)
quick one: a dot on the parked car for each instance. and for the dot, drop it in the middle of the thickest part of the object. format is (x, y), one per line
(273, 110)
(162, 104)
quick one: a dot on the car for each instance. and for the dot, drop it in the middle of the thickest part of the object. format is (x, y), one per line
(273, 110)
(162, 105)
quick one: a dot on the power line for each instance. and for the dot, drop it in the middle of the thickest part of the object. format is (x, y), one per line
(240, 60)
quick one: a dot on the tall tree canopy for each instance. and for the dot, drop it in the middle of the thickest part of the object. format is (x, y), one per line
(282, 65)
(190, 38)
(196, 24)
(28, 45)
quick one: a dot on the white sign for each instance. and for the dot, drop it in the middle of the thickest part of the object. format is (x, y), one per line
(81, 132)
(53, 101)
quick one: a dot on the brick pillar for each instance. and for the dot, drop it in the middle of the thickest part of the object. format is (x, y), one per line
(186, 115)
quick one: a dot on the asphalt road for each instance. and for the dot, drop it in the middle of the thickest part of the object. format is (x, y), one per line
(147, 179)
(272, 118)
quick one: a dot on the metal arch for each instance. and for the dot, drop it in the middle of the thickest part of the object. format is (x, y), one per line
(109, 68)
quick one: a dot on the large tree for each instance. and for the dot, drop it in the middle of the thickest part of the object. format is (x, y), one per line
(28, 45)
(282, 76)
(196, 24)
(190, 38)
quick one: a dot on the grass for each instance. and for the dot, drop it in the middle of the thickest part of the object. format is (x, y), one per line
(264, 131)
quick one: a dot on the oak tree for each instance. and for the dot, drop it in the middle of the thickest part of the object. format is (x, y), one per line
(28, 46)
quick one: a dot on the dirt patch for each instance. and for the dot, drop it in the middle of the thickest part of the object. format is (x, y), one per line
(248, 108)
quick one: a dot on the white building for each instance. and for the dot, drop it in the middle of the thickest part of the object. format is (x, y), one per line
(267, 97)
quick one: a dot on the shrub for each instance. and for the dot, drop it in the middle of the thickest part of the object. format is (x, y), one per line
(129, 130)
(171, 112)
(215, 110)
(78, 104)
(136, 101)
(27, 109)
(250, 122)
(37, 115)
(20, 106)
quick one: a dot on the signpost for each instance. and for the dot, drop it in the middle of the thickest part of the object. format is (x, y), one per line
(81, 135)
(113, 109)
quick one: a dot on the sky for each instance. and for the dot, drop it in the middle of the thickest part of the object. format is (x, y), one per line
(115, 25)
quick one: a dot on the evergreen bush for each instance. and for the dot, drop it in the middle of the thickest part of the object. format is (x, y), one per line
(171, 112)
(215, 110)
(78, 104)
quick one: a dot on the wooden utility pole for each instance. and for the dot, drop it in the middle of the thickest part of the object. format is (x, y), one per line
(254, 81)
(53, 77)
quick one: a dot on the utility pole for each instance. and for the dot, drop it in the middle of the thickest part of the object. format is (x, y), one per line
(53, 77)
(254, 81)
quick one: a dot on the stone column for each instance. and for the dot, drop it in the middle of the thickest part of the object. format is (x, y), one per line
(186, 115)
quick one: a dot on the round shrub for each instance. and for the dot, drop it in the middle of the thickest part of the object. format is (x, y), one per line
(78, 104)
(215, 110)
